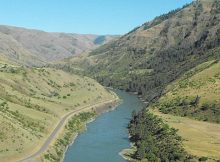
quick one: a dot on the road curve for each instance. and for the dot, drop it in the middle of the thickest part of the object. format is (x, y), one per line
(46, 144)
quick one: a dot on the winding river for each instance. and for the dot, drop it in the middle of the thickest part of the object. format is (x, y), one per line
(107, 135)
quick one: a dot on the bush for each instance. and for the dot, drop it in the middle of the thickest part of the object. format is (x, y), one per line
(203, 159)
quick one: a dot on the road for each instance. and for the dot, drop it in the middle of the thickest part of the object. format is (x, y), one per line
(57, 129)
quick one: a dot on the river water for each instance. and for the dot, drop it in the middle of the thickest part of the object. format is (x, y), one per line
(107, 135)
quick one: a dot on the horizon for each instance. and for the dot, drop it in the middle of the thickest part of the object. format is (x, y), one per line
(83, 17)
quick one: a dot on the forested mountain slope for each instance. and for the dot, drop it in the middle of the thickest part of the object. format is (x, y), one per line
(148, 58)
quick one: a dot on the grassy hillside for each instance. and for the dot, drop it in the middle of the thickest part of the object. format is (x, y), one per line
(33, 100)
(196, 94)
(35, 47)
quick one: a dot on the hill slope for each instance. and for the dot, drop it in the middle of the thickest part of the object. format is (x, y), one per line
(34, 47)
(195, 94)
(33, 101)
(148, 58)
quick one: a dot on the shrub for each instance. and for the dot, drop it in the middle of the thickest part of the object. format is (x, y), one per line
(203, 159)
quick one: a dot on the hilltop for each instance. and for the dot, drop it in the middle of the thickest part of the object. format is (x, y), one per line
(36, 48)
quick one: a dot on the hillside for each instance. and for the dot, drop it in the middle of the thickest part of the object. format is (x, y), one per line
(34, 100)
(35, 48)
(151, 56)
(191, 104)
(195, 94)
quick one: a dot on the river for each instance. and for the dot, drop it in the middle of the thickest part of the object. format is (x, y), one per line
(107, 135)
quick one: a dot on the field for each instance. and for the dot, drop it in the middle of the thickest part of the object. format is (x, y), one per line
(32, 102)
(200, 138)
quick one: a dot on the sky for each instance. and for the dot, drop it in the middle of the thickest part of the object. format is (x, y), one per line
(100, 17)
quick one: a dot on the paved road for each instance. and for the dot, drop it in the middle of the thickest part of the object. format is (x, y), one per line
(58, 128)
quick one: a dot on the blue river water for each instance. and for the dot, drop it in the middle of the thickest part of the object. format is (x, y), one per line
(107, 135)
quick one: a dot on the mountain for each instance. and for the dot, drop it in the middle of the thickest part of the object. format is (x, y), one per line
(151, 56)
(35, 47)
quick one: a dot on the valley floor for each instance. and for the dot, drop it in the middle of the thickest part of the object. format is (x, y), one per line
(200, 138)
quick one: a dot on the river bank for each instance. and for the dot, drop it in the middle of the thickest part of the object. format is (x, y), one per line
(107, 135)
(75, 125)
(75, 136)
(66, 137)
(128, 152)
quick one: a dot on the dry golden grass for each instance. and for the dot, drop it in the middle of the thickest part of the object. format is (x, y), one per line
(36, 99)
(200, 138)
(204, 83)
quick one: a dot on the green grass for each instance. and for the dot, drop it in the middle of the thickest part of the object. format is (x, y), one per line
(32, 103)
